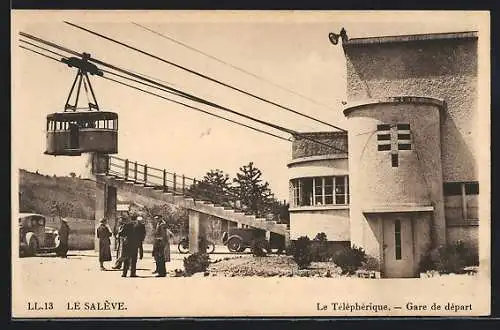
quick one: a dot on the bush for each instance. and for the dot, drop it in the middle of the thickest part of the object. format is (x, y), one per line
(371, 264)
(320, 237)
(350, 259)
(452, 258)
(290, 249)
(258, 248)
(301, 252)
(467, 253)
(319, 248)
(195, 263)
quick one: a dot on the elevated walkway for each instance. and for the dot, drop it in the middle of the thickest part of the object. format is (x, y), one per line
(179, 190)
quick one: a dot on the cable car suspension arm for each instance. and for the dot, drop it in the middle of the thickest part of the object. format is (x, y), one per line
(84, 68)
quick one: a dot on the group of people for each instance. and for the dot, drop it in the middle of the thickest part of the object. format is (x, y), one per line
(130, 234)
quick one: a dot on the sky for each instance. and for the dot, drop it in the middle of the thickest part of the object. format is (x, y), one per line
(290, 49)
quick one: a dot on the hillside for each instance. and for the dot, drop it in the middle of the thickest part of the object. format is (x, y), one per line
(70, 196)
(51, 195)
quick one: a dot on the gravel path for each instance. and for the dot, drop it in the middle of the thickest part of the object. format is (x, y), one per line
(271, 266)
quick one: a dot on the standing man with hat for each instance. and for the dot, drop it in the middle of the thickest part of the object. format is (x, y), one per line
(140, 229)
(119, 238)
(62, 249)
(133, 237)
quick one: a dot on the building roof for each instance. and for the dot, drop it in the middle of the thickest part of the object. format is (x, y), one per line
(410, 38)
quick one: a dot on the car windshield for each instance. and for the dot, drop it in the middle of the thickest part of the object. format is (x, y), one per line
(32, 221)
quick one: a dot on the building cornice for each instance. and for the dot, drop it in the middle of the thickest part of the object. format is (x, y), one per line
(318, 208)
(398, 208)
(410, 38)
(311, 159)
(395, 100)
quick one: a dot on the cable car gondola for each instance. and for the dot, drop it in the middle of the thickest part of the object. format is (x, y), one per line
(73, 132)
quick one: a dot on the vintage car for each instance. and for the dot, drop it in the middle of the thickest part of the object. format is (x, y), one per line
(34, 236)
(239, 239)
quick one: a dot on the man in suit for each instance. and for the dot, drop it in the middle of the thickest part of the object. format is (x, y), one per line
(132, 240)
(119, 238)
(62, 250)
(140, 229)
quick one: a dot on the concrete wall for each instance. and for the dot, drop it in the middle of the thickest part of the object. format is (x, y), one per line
(304, 148)
(318, 167)
(417, 181)
(81, 232)
(467, 234)
(445, 69)
(310, 221)
(310, 159)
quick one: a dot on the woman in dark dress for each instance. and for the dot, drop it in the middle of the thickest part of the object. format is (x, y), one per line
(164, 234)
(103, 234)
(159, 256)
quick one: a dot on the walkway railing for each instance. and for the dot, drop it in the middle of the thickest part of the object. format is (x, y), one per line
(169, 182)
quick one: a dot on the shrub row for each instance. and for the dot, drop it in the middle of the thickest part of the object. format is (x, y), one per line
(452, 258)
(349, 259)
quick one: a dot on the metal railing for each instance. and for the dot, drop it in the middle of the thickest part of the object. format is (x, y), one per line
(174, 183)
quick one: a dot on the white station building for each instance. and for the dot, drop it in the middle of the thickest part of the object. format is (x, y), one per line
(404, 177)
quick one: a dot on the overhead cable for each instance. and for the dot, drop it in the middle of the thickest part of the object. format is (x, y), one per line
(188, 95)
(232, 66)
(200, 75)
(168, 99)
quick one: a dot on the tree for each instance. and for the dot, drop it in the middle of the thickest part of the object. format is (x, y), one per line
(253, 193)
(72, 175)
(215, 186)
(284, 213)
(61, 209)
(176, 217)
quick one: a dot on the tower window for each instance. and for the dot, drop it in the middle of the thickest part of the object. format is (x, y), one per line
(403, 136)
(383, 127)
(384, 147)
(404, 146)
(384, 137)
(395, 160)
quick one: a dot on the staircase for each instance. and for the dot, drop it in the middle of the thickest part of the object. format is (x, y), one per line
(179, 190)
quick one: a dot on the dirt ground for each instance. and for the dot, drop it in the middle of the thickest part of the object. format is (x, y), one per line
(65, 284)
(280, 266)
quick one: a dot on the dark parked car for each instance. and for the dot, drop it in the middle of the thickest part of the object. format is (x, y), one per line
(239, 239)
(34, 236)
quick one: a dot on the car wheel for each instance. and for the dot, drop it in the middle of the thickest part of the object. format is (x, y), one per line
(183, 247)
(234, 244)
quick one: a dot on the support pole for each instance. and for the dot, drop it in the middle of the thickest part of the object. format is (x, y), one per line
(464, 202)
(197, 230)
(165, 181)
(194, 230)
(106, 195)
